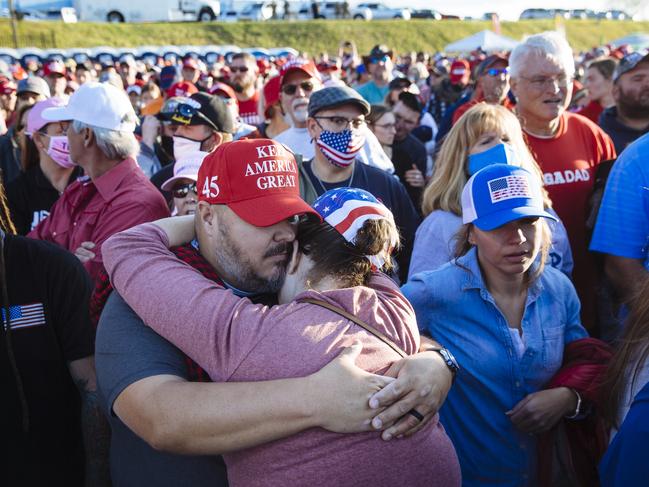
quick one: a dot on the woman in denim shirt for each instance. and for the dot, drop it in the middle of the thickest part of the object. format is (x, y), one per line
(507, 319)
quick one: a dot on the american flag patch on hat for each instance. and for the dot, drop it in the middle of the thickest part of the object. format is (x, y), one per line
(24, 316)
(509, 187)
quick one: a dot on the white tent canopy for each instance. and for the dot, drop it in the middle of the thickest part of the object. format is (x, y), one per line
(637, 40)
(487, 40)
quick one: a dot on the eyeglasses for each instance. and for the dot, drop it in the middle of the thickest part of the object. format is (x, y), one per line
(290, 90)
(341, 123)
(183, 191)
(493, 72)
(540, 83)
(240, 69)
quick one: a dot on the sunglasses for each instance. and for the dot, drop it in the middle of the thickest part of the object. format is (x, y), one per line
(383, 59)
(497, 71)
(182, 191)
(241, 69)
(307, 86)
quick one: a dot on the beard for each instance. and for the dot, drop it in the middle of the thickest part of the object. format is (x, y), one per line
(634, 106)
(243, 274)
(301, 113)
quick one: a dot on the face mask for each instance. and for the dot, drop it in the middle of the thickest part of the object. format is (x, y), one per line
(184, 146)
(340, 148)
(59, 151)
(498, 154)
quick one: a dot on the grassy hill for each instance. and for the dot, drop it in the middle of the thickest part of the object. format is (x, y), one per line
(309, 36)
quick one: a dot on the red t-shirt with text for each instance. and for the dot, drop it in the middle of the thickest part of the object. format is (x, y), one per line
(249, 110)
(569, 160)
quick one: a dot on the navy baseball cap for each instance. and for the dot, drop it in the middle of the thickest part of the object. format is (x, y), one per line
(499, 194)
(168, 76)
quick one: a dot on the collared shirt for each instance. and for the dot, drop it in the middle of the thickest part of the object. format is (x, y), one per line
(92, 211)
(454, 305)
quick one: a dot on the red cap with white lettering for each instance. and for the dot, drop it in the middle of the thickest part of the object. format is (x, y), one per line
(257, 178)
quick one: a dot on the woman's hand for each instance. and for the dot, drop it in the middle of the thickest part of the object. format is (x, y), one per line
(179, 229)
(540, 411)
(423, 381)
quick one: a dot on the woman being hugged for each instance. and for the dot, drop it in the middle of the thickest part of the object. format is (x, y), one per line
(507, 317)
(485, 134)
(233, 339)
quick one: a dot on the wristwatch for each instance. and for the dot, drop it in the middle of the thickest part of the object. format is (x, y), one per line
(449, 358)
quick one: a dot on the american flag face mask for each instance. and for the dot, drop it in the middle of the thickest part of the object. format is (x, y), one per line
(340, 148)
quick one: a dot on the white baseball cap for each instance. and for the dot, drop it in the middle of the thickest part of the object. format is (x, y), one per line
(185, 168)
(98, 104)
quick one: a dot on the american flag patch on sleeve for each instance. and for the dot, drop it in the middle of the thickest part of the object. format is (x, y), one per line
(24, 316)
(509, 187)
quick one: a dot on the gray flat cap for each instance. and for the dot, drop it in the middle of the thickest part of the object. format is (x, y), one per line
(335, 96)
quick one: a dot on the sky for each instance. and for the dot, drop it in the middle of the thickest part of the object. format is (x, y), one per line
(510, 9)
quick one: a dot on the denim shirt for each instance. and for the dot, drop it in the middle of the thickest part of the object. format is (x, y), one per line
(453, 304)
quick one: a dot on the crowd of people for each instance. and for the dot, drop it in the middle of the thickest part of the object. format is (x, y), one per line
(346, 270)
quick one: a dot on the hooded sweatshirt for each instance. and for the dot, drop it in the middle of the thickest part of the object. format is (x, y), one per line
(235, 340)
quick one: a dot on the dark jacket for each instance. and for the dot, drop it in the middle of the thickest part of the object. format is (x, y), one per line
(621, 134)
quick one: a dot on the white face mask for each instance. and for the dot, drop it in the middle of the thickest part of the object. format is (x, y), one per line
(184, 146)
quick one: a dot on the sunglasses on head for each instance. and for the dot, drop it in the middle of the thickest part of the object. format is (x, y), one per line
(183, 190)
(292, 89)
(184, 112)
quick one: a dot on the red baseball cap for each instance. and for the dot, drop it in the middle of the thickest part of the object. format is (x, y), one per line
(271, 93)
(258, 179)
(54, 67)
(460, 72)
(183, 88)
(190, 63)
(298, 64)
(7, 87)
(220, 89)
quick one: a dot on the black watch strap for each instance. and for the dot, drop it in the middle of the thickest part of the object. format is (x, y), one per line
(448, 358)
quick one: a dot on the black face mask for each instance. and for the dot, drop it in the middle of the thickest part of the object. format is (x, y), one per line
(167, 145)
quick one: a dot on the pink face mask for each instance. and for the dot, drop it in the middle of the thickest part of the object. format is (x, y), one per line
(59, 151)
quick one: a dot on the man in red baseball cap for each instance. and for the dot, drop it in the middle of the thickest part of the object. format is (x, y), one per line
(299, 78)
(191, 71)
(54, 72)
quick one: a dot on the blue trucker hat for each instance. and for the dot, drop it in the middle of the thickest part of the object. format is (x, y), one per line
(499, 194)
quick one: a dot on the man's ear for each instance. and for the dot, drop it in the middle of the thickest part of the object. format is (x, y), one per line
(88, 137)
(294, 263)
(217, 140)
(312, 127)
(207, 216)
(513, 85)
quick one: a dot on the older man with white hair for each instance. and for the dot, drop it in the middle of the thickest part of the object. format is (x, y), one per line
(568, 147)
(114, 194)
